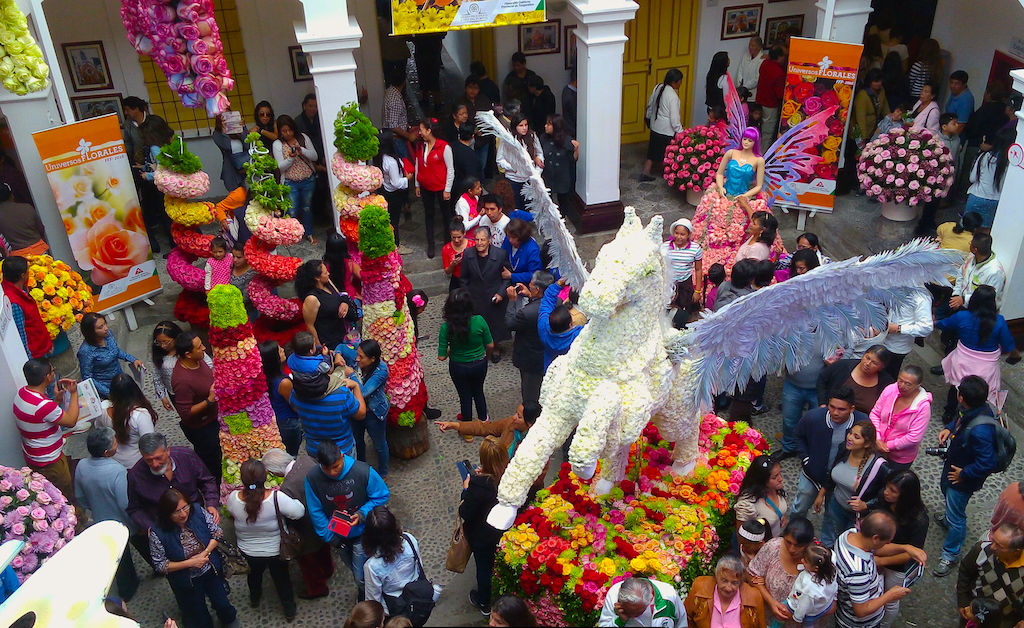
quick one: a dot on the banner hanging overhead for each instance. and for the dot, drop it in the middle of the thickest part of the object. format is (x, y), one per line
(412, 17)
(91, 178)
(821, 74)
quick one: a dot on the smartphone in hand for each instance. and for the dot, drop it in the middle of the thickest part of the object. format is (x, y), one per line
(465, 469)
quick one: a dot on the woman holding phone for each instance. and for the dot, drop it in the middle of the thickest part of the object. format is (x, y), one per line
(479, 495)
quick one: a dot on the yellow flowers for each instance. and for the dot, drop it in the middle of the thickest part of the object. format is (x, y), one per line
(410, 17)
(61, 294)
(187, 212)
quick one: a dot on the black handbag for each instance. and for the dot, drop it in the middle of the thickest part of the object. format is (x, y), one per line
(417, 599)
(290, 540)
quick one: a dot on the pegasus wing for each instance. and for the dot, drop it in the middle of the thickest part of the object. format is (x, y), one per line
(737, 121)
(785, 326)
(788, 159)
(545, 212)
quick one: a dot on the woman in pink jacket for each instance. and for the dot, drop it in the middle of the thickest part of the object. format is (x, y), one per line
(901, 417)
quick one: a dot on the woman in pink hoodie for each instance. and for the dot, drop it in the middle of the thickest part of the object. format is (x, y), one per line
(901, 417)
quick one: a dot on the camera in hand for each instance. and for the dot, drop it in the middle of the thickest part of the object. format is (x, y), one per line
(937, 451)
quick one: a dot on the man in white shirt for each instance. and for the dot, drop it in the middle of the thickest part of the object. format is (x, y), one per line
(492, 217)
(642, 602)
(749, 70)
(981, 269)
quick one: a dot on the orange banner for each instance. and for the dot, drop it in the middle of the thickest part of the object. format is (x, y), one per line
(91, 178)
(821, 75)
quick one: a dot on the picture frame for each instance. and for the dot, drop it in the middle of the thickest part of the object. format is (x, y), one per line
(93, 106)
(774, 25)
(87, 66)
(543, 38)
(570, 47)
(741, 21)
(300, 64)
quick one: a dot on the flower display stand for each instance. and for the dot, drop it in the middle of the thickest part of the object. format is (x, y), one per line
(898, 212)
(408, 442)
(693, 197)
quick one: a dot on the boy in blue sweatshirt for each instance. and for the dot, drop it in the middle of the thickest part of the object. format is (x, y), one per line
(554, 324)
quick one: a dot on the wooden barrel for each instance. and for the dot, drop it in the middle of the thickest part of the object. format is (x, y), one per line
(408, 442)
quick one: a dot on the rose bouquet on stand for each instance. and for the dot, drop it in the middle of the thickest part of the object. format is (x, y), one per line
(807, 95)
(34, 511)
(692, 159)
(904, 168)
(22, 68)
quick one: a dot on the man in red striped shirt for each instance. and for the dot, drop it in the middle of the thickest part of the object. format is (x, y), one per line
(40, 420)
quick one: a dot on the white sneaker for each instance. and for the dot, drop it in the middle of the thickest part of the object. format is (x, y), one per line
(404, 250)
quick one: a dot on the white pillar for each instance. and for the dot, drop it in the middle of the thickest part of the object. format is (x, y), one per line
(601, 41)
(1008, 228)
(12, 378)
(330, 37)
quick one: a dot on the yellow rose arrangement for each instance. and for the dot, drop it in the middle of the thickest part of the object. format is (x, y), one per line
(845, 92)
(832, 142)
(59, 291)
(187, 212)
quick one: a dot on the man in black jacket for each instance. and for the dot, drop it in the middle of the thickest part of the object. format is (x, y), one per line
(820, 435)
(527, 348)
(542, 103)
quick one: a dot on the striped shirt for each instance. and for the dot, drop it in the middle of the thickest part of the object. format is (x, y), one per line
(36, 417)
(859, 582)
(680, 261)
(327, 418)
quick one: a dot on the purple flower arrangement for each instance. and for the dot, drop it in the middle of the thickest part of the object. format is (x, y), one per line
(34, 511)
(906, 166)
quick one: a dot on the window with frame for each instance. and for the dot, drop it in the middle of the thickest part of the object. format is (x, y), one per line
(164, 102)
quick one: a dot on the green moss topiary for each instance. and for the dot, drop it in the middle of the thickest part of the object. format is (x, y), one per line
(354, 135)
(226, 307)
(259, 172)
(375, 236)
(177, 158)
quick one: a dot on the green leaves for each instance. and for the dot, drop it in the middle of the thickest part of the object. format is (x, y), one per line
(263, 185)
(354, 135)
(177, 158)
(375, 236)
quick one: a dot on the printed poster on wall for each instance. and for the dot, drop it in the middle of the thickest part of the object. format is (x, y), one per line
(821, 75)
(411, 17)
(91, 179)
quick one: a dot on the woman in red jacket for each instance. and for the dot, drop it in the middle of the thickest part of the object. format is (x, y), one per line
(435, 173)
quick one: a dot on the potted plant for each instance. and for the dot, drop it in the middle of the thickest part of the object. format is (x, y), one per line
(904, 168)
(692, 158)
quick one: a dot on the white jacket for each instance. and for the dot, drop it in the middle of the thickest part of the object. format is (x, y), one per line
(809, 598)
(987, 273)
(666, 120)
(915, 321)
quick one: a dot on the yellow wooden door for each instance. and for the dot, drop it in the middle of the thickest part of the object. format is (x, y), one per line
(661, 37)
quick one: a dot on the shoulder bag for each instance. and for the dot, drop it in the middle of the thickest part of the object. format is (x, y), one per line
(417, 599)
(290, 541)
(459, 550)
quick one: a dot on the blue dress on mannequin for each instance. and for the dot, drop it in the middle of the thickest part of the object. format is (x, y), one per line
(738, 178)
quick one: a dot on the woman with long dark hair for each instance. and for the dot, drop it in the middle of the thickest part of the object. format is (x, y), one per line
(479, 495)
(761, 495)
(775, 568)
(983, 337)
(987, 178)
(256, 511)
(130, 415)
(902, 498)
(761, 234)
(435, 175)
(893, 81)
(511, 610)
(857, 476)
(392, 559)
(155, 133)
(716, 81)
(465, 338)
(927, 68)
(266, 123)
(662, 116)
(99, 356)
(560, 155)
(372, 374)
(326, 311)
(279, 386)
(396, 182)
(296, 159)
(183, 546)
(519, 125)
(165, 356)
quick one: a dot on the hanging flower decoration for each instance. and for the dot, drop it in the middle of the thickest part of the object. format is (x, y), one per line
(182, 271)
(59, 291)
(693, 156)
(34, 511)
(906, 165)
(188, 213)
(356, 176)
(184, 41)
(22, 68)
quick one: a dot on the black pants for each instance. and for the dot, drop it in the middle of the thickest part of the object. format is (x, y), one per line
(949, 412)
(742, 407)
(153, 215)
(206, 442)
(126, 578)
(468, 378)
(192, 601)
(396, 201)
(278, 573)
(564, 201)
(894, 365)
(529, 384)
(927, 221)
(483, 553)
(432, 200)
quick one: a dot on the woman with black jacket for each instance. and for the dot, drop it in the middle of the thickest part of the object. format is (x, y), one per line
(857, 477)
(866, 377)
(479, 495)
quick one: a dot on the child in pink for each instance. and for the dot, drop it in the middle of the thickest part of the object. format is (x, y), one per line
(218, 266)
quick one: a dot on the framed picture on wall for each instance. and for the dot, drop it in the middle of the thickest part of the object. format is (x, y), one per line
(570, 47)
(300, 64)
(540, 39)
(775, 26)
(87, 63)
(740, 22)
(86, 107)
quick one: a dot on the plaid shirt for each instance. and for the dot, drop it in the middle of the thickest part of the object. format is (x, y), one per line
(978, 577)
(19, 321)
(395, 114)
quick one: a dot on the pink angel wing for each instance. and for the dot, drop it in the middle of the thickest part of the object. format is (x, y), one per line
(788, 160)
(737, 121)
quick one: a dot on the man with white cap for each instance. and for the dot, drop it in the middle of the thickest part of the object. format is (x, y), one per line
(683, 258)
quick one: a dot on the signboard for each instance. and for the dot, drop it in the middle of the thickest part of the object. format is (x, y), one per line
(91, 178)
(821, 75)
(412, 17)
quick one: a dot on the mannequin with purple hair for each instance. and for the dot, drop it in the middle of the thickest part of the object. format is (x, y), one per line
(720, 222)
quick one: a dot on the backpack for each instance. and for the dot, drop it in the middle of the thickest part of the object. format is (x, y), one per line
(1005, 444)
(417, 599)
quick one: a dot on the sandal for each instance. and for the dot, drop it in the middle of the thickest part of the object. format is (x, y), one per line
(312, 240)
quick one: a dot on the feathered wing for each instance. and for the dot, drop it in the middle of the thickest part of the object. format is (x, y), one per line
(787, 161)
(786, 325)
(737, 121)
(545, 212)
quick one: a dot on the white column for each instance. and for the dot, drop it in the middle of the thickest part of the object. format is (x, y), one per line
(12, 358)
(330, 37)
(842, 20)
(1008, 228)
(601, 41)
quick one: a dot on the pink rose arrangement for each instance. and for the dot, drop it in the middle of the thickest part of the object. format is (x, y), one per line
(719, 223)
(183, 39)
(279, 231)
(356, 176)
(692, 157)
(271, 305)
(34, 511)
(181, 185)
(906, 166)
(182, 271)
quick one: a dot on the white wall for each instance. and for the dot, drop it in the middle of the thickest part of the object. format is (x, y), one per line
(709, 41)
(972, 36)
(458, 46)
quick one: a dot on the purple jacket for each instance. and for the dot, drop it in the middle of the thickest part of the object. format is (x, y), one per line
(190, 476)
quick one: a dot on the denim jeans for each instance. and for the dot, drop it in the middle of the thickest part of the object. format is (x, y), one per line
(192, 601)
(806, 493)
(468, 378)
(956, 521)
(482, 150)
(836, 521)
(484, 555)
(794, 400)
(302, 201)
(291, 435)
(517, 191)
(351, 553)
(378, 434)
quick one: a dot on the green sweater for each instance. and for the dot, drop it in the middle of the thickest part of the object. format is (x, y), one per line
(470, 350)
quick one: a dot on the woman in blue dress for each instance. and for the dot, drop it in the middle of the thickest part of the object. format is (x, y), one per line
(720, 222)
